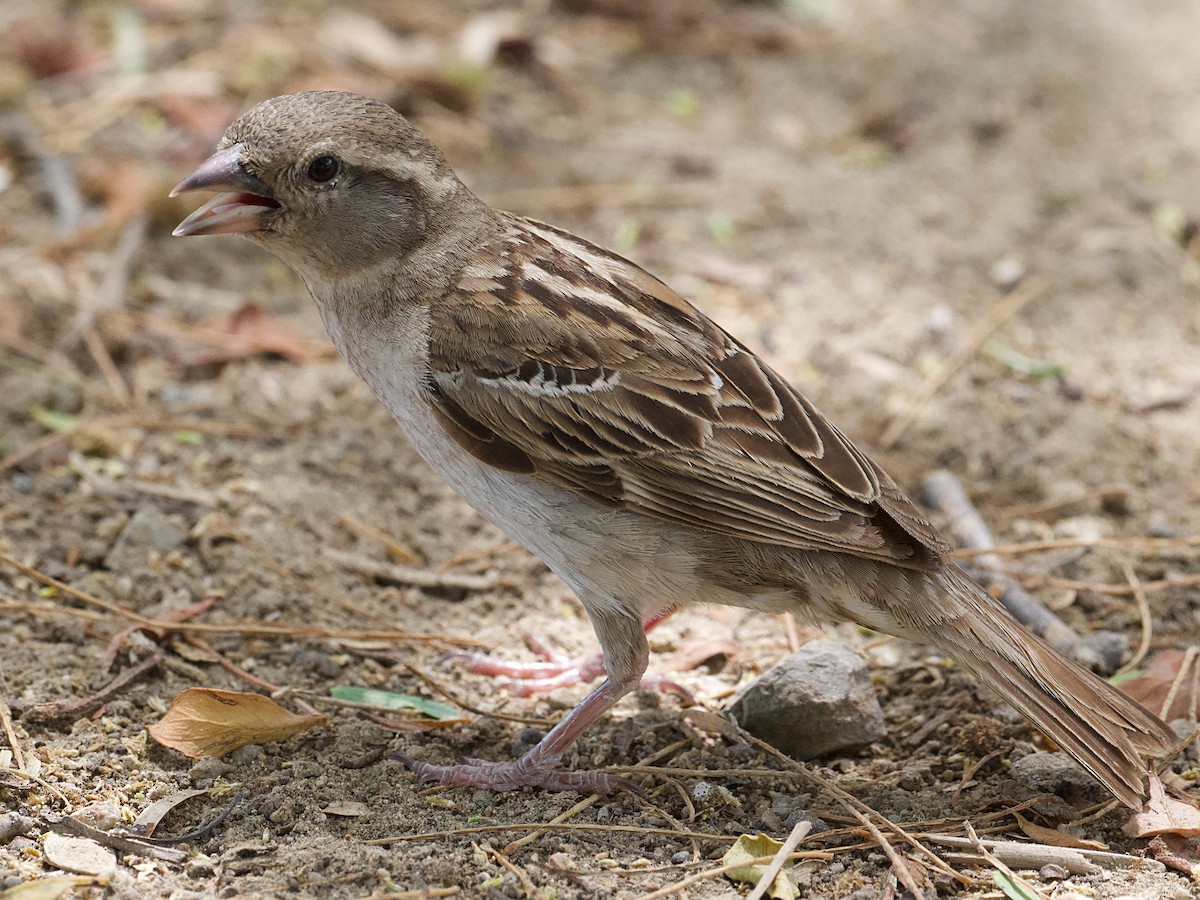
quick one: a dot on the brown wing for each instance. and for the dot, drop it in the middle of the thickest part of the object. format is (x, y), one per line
(591, 374)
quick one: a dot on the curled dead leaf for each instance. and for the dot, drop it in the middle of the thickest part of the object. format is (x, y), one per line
(1164, 815)
(208, 722)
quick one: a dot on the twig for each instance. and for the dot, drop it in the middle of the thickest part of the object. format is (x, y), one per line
(969, 773)
(999, 864)
(412, 576)
(393, 548)
(205, 829)
(230, 666)
(945, 492)
(123, 842)
(462, 704)
(249, 629)
(799, 833)
(1143, 611)
(560, 819)
(1003, 310)
(1021, 855)
(853, 804)
(1130, 543)
(728, 867)
(563, 826)
(10, 734)
(71, 709)
(521, 875)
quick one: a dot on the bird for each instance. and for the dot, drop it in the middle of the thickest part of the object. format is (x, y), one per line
(647, 456)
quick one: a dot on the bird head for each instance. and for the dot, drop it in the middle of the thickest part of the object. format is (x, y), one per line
(331, 182)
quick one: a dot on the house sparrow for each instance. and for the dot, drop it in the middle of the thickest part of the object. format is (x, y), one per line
(646, 455)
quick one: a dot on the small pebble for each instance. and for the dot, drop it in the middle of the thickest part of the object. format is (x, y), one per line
(1007, 273)
(1052, 872)
(13, 824)
(679, 857)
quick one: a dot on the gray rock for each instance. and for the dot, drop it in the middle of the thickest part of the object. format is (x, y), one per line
(148, 530)
(1052, 773)
(817, 701)
(13, 824)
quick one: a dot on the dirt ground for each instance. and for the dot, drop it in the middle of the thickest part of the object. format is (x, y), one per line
(851, 186)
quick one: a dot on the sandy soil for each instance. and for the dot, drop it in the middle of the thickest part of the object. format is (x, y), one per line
(850, 190)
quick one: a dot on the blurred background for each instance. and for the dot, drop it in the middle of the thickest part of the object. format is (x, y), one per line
(966, 229)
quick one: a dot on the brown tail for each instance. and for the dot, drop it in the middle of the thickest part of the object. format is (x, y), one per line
(1105, 731)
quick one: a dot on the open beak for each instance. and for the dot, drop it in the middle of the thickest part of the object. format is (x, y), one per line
(244, 204)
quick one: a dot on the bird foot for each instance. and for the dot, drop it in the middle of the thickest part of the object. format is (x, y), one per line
(508, 776)
(556, 670)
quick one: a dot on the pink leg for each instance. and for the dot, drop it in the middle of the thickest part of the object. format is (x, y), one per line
(526, 679)
(538, 767)
(628, 654)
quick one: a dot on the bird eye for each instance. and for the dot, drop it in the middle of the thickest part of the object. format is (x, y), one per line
(323, 168)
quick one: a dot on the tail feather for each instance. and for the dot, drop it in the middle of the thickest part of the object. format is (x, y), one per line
(1108, 733)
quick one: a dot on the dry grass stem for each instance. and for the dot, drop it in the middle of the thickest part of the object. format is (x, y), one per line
(799, 832)
(1143, 604)
(390, 544)
(1003, 310)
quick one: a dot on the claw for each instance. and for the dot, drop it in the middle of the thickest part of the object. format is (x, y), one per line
(508, 776)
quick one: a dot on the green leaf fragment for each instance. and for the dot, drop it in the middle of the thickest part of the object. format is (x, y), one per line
(1019, 362)
(389, 700)
(52, 420)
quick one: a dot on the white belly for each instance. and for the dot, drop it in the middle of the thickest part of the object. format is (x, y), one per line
(614, 560)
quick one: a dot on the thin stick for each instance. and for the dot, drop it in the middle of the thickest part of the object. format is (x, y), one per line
(413, 576)
(10, 733)
(563, 826)
(1189, 657)
(462, 704)
(995, 861)
(853, 804)
(250, 629)
(728, 867)
(521, 875)
(1003, 310)
(1131, 543)
(799, 833)
(393, 547)
(1144, 612)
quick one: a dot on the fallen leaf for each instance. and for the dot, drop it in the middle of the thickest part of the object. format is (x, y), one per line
(1152, 685)
(390, 700)
(748, 847)
(1177, 853)
(208, 722)
(51, 888)
(348, 808)
(1054, 837)
(149, 818)
(53, 420)
(81, 855)
(1164, 815)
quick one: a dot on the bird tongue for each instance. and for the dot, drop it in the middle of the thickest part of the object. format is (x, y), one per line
(233, 212)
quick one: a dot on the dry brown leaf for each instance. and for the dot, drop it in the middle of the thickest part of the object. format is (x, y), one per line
(1056, 838)
(1164, 815)
(208, 722)
(1151, 687)
(1178, 853)
(149, 817)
